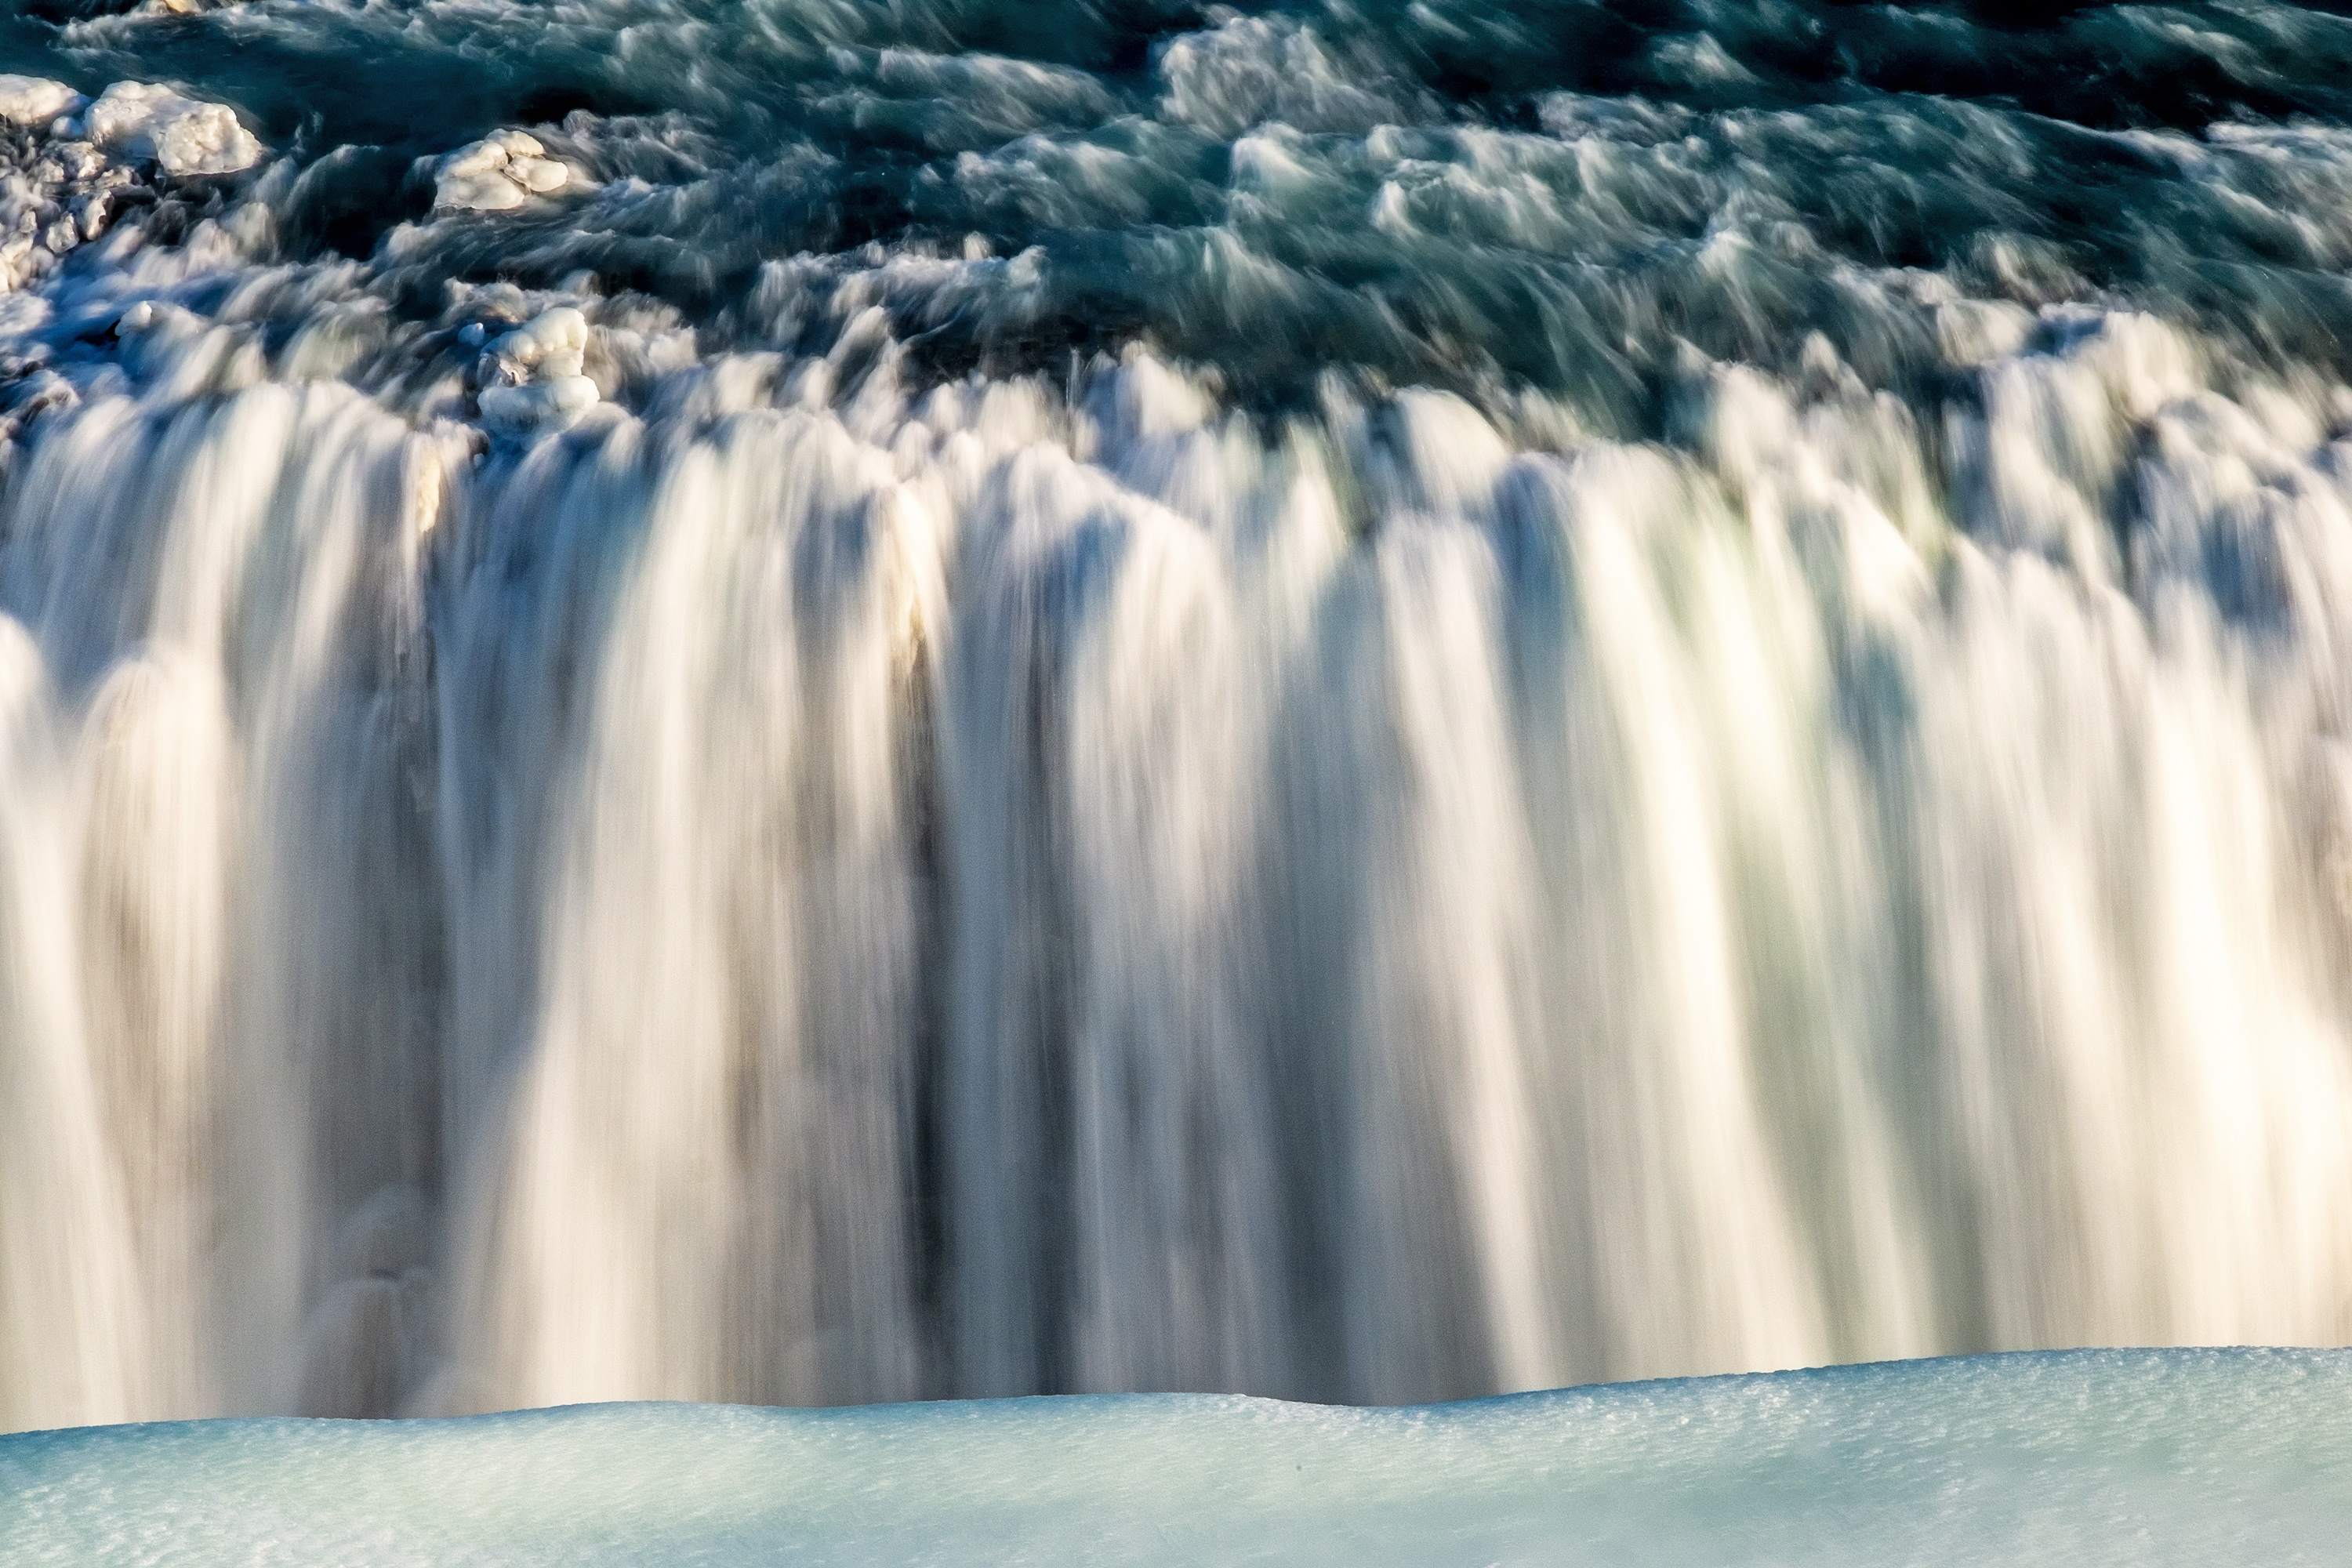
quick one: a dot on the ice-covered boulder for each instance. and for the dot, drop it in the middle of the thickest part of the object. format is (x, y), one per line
(549, 347)
(57, 189)
(36, 100)
(503, 170)
(521, 409)
(182, 135)
(529, 378)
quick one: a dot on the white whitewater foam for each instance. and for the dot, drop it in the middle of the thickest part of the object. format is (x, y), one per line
(2087, 1458)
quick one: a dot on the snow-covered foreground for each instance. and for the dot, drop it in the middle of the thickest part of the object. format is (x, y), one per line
(2186, 1456)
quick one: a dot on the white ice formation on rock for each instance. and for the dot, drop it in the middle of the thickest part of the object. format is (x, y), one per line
(502, 169)
(530, 378)
(182, 136)
(32, 101)
(57, 190)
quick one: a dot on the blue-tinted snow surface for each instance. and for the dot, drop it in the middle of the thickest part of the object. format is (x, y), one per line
(2110, 1457)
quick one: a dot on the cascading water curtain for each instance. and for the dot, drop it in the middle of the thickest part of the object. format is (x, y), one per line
(970, 702)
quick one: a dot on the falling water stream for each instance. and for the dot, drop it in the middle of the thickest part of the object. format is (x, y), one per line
(1364, 702)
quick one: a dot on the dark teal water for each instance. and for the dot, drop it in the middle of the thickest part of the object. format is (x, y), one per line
(1208, 183)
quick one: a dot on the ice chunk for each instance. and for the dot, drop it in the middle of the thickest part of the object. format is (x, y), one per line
(2079, 1458)
(502, 169)
(36, 100)
(529, 378)
(548, 348)
(475, 178)
(184, 136)
(521, 410)
(541, 175)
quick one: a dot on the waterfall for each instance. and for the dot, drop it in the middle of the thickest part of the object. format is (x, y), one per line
(998, 891)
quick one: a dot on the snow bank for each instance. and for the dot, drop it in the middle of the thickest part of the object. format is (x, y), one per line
(2195, 1456)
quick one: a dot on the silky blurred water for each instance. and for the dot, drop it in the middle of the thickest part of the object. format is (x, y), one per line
(790, 702)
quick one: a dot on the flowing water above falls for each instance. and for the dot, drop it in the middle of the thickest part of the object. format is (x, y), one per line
(772, 702)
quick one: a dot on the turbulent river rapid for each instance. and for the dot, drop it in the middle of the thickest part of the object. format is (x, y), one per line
(788, 701)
